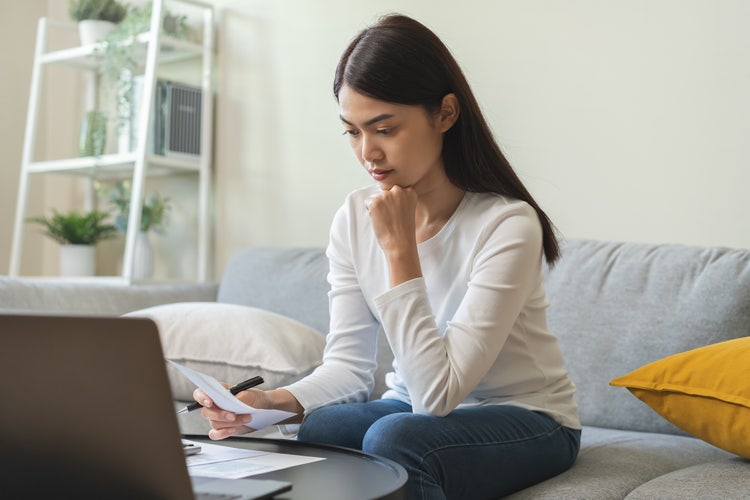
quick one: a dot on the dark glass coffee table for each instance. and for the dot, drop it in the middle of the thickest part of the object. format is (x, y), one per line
(345, 474)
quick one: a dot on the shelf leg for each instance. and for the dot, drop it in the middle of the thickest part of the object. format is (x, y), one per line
(28, 149)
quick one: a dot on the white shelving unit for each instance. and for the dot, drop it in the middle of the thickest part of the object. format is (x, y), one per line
(156, 49)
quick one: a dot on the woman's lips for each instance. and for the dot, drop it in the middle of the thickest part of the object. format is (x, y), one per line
(380, 175)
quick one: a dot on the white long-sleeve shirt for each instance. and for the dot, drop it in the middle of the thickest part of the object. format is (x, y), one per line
(472, 331)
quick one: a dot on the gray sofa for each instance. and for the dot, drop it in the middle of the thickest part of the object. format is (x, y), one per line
(614, 306)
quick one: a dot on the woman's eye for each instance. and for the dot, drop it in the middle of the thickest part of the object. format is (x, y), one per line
(385, 131)
(352, 133)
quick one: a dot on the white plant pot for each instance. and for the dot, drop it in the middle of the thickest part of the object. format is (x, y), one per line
(77, 260)
(94, 30)
(143, 259)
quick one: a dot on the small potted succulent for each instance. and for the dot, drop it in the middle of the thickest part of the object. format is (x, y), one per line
(96, 18)
(77, 233)
(154, 212)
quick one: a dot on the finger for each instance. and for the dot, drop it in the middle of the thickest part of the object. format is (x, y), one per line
(202, 398)
(218, 415)
(239, 421)
(216, 434)
(225, 432)
(369, 201)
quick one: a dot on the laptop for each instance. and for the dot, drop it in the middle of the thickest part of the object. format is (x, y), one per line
(87, 412)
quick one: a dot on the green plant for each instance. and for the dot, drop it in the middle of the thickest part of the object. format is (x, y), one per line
(102, 10)
(93, 134)
(75, 228)
(154, 212)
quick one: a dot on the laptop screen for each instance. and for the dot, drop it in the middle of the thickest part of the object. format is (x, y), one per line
(87, 409)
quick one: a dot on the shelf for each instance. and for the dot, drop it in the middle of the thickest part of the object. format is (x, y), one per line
(115, 166)
(151, 53)
(89, 56)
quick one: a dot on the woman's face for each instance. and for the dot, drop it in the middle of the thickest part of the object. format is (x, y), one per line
(397, 144)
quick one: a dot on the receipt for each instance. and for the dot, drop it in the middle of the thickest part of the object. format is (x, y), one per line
(227, 401)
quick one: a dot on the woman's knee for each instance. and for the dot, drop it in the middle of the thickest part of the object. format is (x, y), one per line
(392, 435)
(344, 424)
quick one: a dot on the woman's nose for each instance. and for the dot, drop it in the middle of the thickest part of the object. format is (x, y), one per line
(370, 150)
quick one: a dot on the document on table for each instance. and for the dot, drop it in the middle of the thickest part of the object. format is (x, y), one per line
(227, 401)
(233, 463)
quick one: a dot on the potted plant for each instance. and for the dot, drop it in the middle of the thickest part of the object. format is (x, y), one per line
(154, 217)
(93, 135)
(96, 18)
(154, 212)
(77, 233)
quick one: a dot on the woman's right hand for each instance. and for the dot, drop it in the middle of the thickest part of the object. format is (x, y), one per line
(226, 423)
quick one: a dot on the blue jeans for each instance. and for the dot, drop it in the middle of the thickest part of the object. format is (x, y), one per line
(475, 453)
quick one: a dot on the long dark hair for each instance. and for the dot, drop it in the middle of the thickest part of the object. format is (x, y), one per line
(400, 60)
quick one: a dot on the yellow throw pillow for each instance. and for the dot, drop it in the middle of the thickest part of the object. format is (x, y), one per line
(704, 391)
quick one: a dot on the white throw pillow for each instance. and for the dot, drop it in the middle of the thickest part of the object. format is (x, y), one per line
(233, 343)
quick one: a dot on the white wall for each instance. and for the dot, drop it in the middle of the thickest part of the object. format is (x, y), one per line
(627, 120)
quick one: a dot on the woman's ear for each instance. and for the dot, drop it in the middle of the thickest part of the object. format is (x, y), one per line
(449, 111)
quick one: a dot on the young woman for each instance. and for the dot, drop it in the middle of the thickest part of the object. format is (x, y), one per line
(443, 252)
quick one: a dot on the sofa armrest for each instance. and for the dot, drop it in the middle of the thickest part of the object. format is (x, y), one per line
(106, 299)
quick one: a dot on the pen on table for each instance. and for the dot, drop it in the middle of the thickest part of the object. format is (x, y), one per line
(235, 389)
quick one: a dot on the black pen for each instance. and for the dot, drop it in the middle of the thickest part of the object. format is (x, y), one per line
(235, 389)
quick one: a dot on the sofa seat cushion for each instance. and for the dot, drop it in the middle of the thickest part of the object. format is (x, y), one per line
(612, 463)
(719, 480)
(232, 343)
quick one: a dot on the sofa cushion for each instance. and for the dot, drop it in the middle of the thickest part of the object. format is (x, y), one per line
(612, 463)
(232, 343)
(705, 391)
(618, 306)
(288, 281)
(721, 480)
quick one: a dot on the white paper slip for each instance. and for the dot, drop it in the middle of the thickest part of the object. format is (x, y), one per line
(227, 401)
(228, 462)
